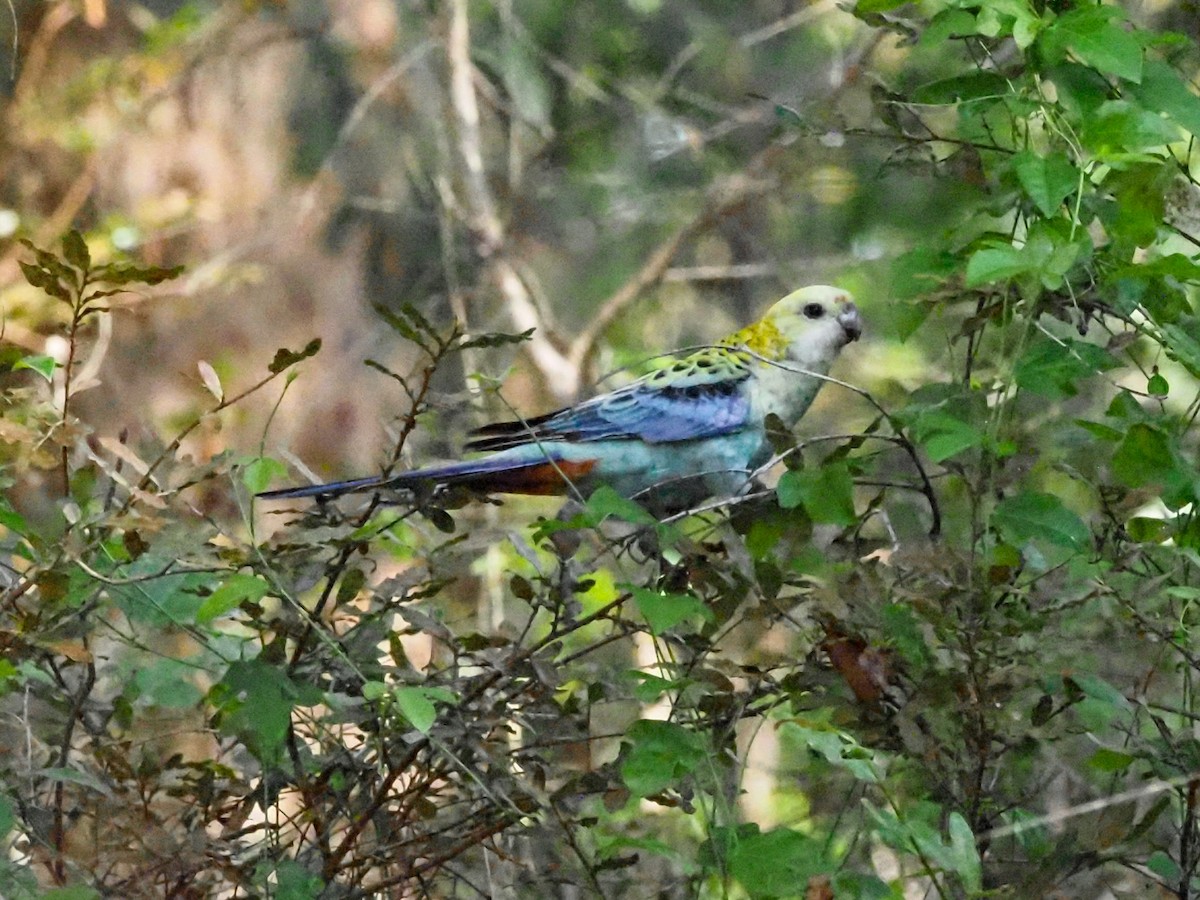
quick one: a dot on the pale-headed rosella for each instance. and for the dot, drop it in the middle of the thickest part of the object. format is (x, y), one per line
(690, 430)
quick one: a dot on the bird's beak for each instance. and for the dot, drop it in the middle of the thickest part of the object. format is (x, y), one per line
(850, 321)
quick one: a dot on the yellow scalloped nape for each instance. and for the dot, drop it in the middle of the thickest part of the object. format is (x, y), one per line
(763, 339)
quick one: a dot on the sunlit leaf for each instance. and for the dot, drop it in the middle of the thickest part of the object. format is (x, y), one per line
(659, 754)
(664, 610)
(40, 363)
(415, 705)
(211, 380)
(233, 592)
(995, 264)
(605, 502)
(259, 473)
(776, 863)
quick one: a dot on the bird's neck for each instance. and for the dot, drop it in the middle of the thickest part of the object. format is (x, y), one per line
(762, 339)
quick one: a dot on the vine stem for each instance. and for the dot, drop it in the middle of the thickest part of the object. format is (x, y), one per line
(78, 311)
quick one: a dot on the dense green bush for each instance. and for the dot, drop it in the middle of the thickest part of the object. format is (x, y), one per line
(957, 639)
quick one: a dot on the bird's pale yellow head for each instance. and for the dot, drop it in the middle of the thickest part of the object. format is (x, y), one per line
(808, 326)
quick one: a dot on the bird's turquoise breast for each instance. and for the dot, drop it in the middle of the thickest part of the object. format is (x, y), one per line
(670, 477)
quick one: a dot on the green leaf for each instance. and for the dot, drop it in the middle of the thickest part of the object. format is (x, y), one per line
(660, 754)
(74, 776)
(944, 435)
(974, 86)
(167, 683)
(1147, 530)
(43, 278)
(921, 270)
(525, 81)
(1106, 760)
(904, 633)
(777, 863)
(399, 323)
(1031, 515)
(259, 473)
(866, 7)
(1047, 180)
(862, 886)
(1100, 690)
(650, 687)
(415, 705)
(38, 362)
(1163, 90)
(75, 250)
(1121, 131)
(826, 492)
(71, 892)
(663, 611)
(1182, 343)
(947, 25)
(1164, 867)
(123, 275)
(374, 690)
(498, 339)
(1000, 18)
(836, 746)
(236, 590)
(7, 817)
(1053, 368)
(1091, 35)
(605, 502)
(1176, 265)
(285, 359)
(1144, 456)
(255, 701)
(1133, 215)
(168, 600)
(995, 264)
(1081, 89)
(764, 535)
(964, 854)
(294, 882)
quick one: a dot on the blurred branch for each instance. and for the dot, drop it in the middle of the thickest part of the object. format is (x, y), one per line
(734, 272)
(95, 13)
(355, 118)
(724, 198)
(561, 373)
(38, 53)
(787, 23)
(55, 224)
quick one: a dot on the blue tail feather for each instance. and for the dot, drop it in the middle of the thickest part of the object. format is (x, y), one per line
(479, 473)
(332, 489)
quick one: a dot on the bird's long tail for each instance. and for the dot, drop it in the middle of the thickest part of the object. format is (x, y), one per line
(496, 474)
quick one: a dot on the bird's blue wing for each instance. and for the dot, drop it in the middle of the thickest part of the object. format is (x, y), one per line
(701, 395)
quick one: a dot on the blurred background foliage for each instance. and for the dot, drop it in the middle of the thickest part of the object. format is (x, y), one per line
(951, 656)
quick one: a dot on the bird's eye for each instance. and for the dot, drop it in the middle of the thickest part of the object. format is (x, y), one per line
(814, 311)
